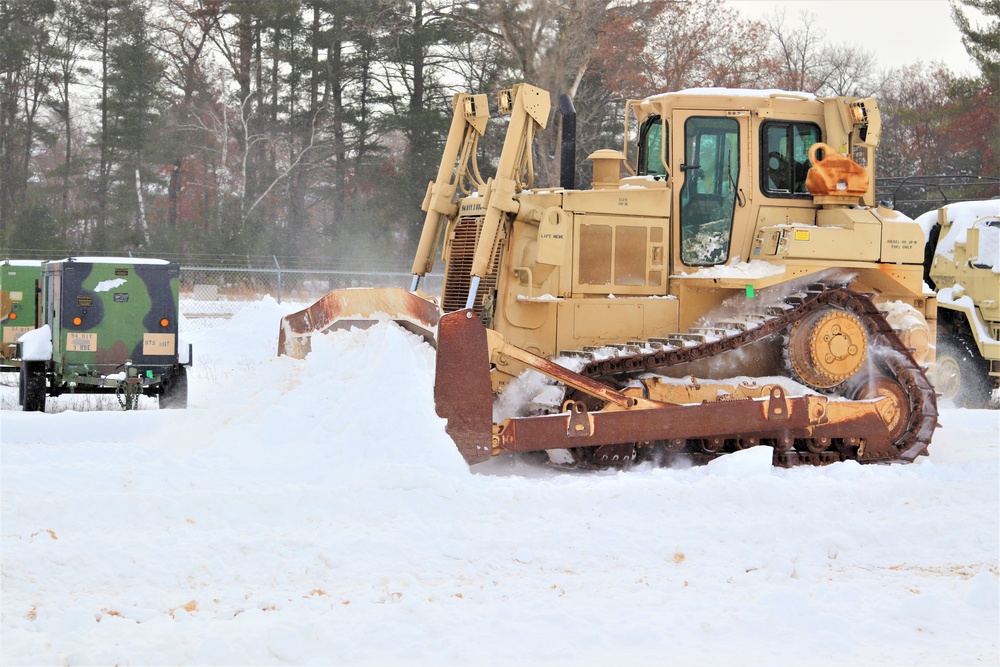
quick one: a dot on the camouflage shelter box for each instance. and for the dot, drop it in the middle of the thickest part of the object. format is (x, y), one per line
(18, 303)
(113, 326)
(106, 312)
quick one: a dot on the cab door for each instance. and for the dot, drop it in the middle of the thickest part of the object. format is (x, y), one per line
(710, 188)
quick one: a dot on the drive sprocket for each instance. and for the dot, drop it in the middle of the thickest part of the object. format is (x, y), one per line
(827, 347)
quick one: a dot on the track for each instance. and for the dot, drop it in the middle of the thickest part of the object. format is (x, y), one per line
(898, 377)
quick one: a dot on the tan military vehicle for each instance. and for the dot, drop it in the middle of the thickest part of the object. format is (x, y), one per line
(726, 282)
(965, 269)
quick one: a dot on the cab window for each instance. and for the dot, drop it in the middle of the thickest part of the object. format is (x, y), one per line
(651, 147)
(785, 157)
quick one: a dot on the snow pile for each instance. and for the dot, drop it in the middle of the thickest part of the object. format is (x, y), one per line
(962, 215)
(36, 345)
(314, 511)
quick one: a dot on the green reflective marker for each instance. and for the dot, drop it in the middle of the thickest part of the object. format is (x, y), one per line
(749, 291)
(149, 374)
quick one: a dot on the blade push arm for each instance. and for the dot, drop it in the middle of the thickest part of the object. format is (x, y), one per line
(468, 124)
(529, 111)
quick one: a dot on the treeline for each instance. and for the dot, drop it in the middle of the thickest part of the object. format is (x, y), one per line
(309, 128)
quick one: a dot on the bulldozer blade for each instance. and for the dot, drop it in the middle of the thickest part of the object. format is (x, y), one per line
(463, 396)
(346, 308)
(463, 392)
(798, 417)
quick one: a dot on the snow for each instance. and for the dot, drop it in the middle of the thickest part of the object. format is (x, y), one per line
(108, 285)
(901, 315)
(22, 262)
(948, 296)
(541, 297)
(965, 212)
(989, 247)
(36, 345)
(315, 512)
(110, 260)
(739, 92)
(184, 351)
(752, 270)
(962, 215)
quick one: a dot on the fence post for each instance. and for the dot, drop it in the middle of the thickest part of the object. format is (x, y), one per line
(279, 276)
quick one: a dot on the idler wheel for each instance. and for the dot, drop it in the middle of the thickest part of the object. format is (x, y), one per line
(895, 410)
(827, 347)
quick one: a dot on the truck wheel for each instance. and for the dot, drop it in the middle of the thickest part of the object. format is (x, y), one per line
(32, 386)
(961, 375)
(175, 391)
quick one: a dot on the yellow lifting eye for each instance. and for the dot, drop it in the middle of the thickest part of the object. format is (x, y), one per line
(77, 321)
(164, 322)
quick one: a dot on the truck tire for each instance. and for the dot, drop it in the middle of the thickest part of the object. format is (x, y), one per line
(961, 374)
(32, 386)
(175, 391)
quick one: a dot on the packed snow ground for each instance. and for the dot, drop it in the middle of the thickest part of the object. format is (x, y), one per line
(315, 512)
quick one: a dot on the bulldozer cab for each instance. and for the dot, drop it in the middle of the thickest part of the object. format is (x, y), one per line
(737, 162)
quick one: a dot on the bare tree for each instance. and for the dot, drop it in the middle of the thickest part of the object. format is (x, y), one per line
(851, 70)
(808, 64)
(551, 45)
(707, 43)
(799, 52)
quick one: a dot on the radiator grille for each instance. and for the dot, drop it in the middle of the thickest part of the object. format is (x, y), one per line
(458, 273)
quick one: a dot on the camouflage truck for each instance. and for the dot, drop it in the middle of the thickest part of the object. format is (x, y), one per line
(106, 325)
(18, 305)
(962, 263)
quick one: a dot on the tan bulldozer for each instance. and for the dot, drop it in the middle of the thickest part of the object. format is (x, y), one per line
(726, 282)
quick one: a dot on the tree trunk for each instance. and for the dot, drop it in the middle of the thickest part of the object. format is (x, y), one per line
(100, 232)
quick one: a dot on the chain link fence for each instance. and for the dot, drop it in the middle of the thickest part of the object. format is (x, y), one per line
(210, 295)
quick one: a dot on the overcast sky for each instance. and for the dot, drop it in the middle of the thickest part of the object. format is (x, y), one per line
(898, 32)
